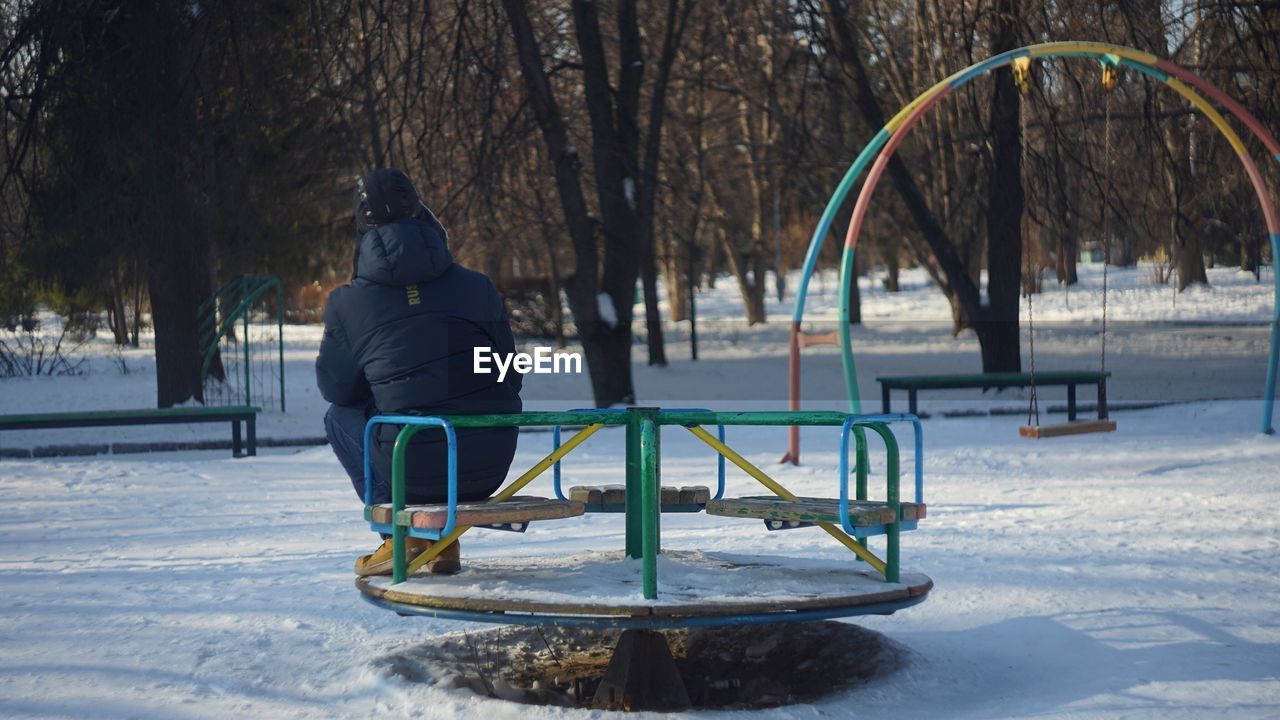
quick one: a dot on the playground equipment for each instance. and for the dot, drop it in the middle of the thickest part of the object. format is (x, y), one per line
(886, 141)
(601, 589)
(240, 368)
(1034, 429)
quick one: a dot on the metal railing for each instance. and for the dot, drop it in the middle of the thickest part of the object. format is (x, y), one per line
(233, 303)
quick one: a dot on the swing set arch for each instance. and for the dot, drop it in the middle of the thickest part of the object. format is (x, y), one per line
(885, 142)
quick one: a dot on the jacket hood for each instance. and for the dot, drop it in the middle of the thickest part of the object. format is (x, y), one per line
(385, 195)
(404, 252)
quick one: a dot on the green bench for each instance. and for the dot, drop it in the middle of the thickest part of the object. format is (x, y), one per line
(164, 416)
(913, 384)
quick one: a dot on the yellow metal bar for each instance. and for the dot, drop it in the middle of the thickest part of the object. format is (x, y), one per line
(516, 486)
(785, 494)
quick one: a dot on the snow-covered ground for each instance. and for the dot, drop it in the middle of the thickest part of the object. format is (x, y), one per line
(1124, 575)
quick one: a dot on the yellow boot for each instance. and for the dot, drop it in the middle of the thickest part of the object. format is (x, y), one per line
(448, 562)
(380, 561)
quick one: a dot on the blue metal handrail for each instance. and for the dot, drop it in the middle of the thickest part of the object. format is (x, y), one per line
(879, 423)
(412, 424)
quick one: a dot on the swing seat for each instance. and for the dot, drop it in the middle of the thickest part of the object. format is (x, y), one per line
(1076, 427)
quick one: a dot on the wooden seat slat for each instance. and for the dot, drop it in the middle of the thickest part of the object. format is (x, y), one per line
(812, 510)
(1078, 427)
(519, 509)
(617, 494)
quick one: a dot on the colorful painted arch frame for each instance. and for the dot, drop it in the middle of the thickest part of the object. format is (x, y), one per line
(886, 141)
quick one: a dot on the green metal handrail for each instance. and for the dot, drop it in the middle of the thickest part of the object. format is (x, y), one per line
(536, 419)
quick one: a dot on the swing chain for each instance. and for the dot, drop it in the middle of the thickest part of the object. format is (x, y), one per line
(1110, 78)
(1021, 76)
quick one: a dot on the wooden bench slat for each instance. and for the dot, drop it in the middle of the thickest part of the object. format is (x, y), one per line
(235, 414)
(519, 509)
(152, 414)
(914, 384)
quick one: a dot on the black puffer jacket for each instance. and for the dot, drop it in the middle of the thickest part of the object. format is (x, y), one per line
(400, 338)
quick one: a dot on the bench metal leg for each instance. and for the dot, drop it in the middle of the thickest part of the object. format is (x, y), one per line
(253, 435)
(1102, 400)
(235, 438)
(911, 402)
(884, 399)
(1071, 402)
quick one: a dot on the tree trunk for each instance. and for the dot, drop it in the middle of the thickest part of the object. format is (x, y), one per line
(1067, 259)
(1124, 246)
(691, 285)
(893, 263)
(997, 326)
(178, 281)
(1147, 27)
(747, 263)
(648, 187)
(1188, 255)
(137, 304)
(1250, 255)
(610, 347)
(553, 285)
(956, 277)
(1066, 198)
(674, 274)
(746, 269)
(177, 241)
(715, 254)
(614, 147)
(652, 318)
(176, 292)
(549, 240)
(606, 340)
(119, 320)
(1000, 343)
